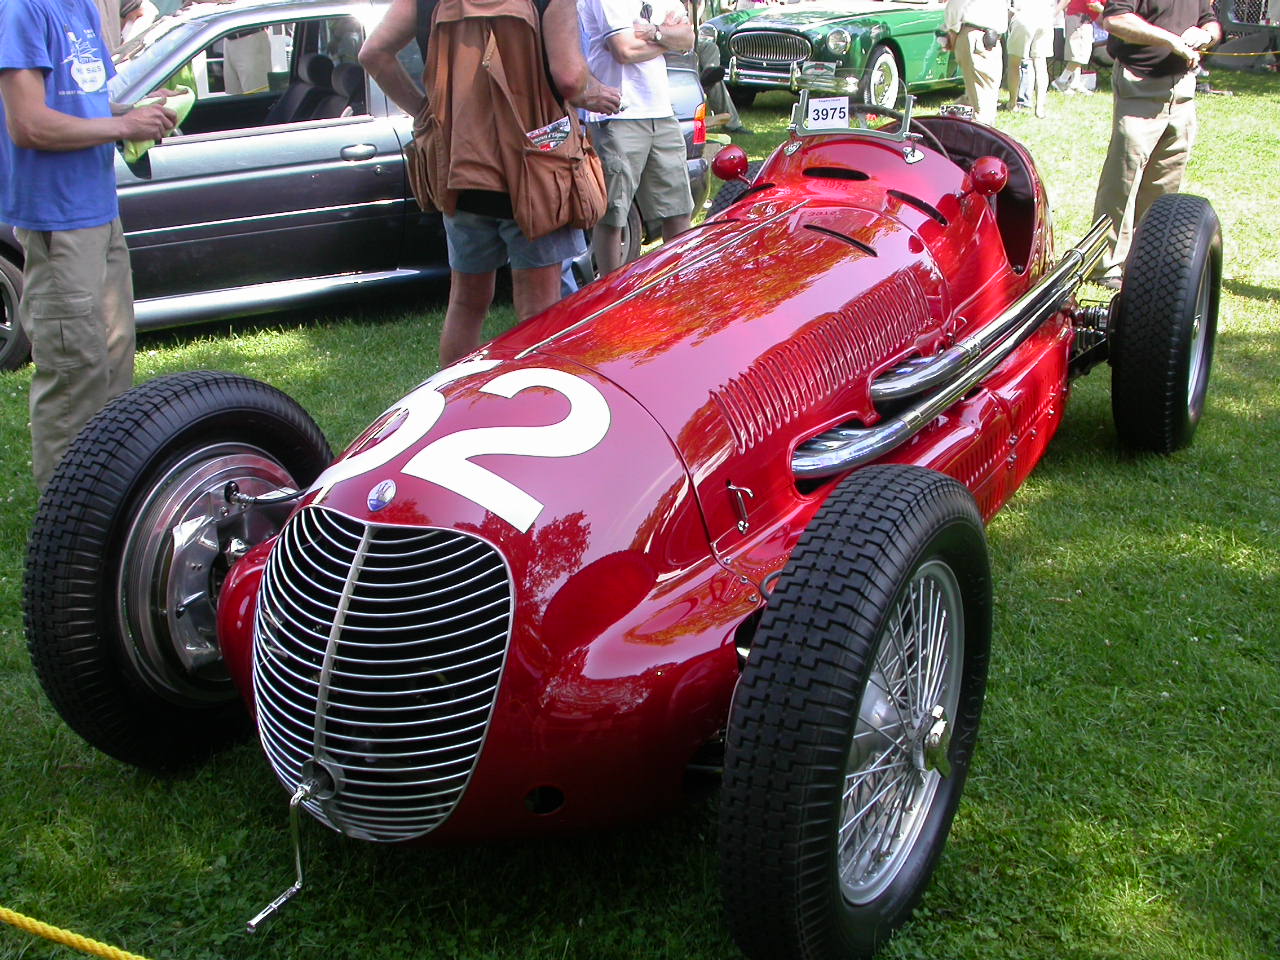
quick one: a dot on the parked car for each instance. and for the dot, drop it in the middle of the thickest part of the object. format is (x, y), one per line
(722, 510)
(272, 199)
(875, 50)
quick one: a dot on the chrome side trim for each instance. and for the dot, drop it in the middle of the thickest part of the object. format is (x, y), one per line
(921, 374)
(263, 297)
(843, 448)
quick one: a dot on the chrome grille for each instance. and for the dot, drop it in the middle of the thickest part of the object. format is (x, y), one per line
(376, 659)
(765, 46)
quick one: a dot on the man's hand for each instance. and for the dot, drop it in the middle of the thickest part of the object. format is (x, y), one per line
(598, 98)
(1197, 38)
(147, 123)
(1095, 8)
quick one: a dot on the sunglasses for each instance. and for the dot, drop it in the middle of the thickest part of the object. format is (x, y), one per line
(646, 11)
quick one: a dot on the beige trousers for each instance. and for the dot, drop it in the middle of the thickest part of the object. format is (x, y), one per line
(77, 310)
(1153, 127)
(981, 69)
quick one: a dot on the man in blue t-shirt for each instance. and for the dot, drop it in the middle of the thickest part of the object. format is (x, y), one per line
(58, 189)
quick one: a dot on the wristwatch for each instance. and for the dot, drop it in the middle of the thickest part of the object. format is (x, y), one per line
(657, 35)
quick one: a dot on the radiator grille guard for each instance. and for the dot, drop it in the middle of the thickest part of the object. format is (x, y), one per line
(376, 660)
(770, 48)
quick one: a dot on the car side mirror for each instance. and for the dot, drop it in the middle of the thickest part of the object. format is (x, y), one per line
(730, 164)
(989, 175)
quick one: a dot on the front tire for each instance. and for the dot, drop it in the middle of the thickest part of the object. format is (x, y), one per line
(15, 348)
(128, 550)
(731, 191)
(864, 684)
(882, 83)
(742, 97)
(1165, 323)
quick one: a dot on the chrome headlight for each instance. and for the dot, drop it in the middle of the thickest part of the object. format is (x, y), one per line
(707, 32)
(838, 40)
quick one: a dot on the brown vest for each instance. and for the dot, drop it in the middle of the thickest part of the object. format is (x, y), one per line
(486, 87)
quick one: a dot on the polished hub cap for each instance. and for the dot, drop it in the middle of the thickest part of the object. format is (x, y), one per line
(899, 752)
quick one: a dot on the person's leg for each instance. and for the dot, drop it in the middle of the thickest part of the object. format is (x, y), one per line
(672, 227)
(469, 297)
(606, 246)
(534, 290)
(117, 312)
(663, 193)
(61, 311)
(964, 57)
(1138, 122)
(1167, 164)
(1040, 68)
(623, 147)
(987, 68)
(1013, 69)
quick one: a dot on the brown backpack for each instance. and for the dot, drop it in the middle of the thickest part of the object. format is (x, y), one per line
(486, 89)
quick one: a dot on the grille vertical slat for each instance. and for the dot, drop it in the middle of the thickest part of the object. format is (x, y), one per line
(377, 656)
(767, 47)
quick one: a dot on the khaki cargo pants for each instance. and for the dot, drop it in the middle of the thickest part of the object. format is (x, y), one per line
(1153, 127)
(77, 310)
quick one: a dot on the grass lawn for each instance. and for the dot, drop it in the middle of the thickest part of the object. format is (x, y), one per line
(1124, 801)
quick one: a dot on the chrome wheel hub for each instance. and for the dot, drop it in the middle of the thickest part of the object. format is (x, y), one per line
(899, 751)
(184, 537)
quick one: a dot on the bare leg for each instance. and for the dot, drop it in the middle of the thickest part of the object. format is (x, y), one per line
(1011, 71)
(469, 297)
(535, 289)
(606, 245)
(672, 227)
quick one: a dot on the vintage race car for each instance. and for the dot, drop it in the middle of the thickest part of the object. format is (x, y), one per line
(643, 534)
(876, 50)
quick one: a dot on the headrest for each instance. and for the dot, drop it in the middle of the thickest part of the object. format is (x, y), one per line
(348, 80)
(316, 69)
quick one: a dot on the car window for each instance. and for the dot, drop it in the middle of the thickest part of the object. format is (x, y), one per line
(276, 74)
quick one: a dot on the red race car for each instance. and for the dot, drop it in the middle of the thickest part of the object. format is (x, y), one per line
(722, 510)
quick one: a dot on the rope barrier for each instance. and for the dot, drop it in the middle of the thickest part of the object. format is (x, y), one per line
(66, 937)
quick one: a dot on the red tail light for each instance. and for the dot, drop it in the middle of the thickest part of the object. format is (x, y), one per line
(700, 125)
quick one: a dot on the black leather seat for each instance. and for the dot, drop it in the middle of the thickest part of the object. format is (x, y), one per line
(312, 84)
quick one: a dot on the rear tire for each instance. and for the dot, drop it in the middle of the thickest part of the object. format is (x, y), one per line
(835, 804)
(126, 558)
(1165, 323)
(15, 348)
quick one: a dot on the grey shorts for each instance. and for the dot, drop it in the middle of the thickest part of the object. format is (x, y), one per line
(644, 161)
(1079, 39)
(480, 244)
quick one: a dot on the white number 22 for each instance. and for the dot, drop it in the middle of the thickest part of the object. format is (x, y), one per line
(447, 461)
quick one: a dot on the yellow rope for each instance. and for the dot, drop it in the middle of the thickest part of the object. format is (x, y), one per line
(66, 937)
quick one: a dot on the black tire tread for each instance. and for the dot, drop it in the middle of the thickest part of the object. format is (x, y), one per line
(68, 571)
(1148, 347)
(15, 351)
(800, 692)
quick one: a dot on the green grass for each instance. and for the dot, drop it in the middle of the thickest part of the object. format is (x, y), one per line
(1125, 797)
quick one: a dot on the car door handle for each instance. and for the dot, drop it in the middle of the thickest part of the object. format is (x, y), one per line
(358, 151)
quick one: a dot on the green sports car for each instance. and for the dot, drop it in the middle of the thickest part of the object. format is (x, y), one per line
(876, 49)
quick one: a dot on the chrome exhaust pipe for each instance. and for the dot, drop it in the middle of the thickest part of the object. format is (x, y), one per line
(952, 373)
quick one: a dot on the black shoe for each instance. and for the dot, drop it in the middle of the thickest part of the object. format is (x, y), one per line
(739, 129)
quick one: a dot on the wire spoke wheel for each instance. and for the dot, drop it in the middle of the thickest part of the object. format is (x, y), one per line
(854, 721)
(893, 768)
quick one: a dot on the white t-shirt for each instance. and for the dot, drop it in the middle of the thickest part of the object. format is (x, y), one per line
(643, 85)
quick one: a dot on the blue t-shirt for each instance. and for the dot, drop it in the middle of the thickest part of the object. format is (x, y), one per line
(57, 190)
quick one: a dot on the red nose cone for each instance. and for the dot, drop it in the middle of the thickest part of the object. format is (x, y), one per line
(730, 163)
(989, 175)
